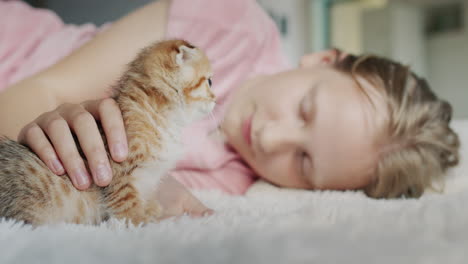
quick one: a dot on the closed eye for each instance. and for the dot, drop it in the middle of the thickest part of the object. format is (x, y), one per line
(210, 83)
(308, 107)
(302, 164)
(302, 112)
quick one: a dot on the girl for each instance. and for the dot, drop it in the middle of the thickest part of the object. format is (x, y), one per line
(335, 122)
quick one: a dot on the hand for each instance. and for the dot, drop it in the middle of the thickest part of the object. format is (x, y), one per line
(50, 137)
(176, 200)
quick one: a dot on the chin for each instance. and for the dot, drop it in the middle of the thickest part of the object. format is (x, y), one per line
(235, 143)
(252, 165)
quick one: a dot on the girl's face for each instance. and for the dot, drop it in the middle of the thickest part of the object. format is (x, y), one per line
(310, 128)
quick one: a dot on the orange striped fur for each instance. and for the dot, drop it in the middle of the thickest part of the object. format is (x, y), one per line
(163, 90)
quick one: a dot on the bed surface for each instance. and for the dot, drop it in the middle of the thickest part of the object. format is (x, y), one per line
(270, 225)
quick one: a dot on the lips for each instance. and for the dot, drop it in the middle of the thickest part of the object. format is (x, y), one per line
(246, 130)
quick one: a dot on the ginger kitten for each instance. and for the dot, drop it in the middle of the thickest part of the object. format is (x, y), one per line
(163, 90)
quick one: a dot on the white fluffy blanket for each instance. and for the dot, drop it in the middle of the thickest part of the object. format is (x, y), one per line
(270, 225)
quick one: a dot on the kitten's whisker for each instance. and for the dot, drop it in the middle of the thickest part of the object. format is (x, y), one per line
(211, 115)
(155, 109)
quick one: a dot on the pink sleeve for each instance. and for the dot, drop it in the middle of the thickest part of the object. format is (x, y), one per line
(271, 58)
(32, 39)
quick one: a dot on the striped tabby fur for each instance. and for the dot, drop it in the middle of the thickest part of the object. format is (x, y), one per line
(163, 90)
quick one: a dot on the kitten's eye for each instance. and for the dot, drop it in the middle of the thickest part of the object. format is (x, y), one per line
(209, 82)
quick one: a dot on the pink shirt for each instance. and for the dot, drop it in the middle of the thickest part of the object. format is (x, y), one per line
(32, 39)
(237, 35)
(241, 41)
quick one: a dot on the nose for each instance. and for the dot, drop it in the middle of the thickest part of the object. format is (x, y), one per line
(275, 137)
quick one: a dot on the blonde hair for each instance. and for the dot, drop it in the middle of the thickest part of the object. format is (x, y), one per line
(418, 144)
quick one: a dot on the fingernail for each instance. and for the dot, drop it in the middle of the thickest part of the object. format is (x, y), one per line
(58, 168)
(102, 173)
(208, 212)
(81, 178)
(120, 150)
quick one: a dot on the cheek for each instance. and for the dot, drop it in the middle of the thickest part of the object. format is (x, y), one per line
(276, 170)
(281, 172)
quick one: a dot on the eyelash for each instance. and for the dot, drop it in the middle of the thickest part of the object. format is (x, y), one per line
(301, 154)
(302, 157)
(302, 113)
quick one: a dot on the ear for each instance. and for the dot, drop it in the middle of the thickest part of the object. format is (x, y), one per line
(326, 57)
(185, 54)
(317, 58)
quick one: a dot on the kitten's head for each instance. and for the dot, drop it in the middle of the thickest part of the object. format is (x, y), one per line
(184, 71)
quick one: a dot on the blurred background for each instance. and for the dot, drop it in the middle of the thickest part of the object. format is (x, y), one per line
(429, 35)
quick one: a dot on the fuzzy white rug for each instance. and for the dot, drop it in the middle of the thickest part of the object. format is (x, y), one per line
(270, 225)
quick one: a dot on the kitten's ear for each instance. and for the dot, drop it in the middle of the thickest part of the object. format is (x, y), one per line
(185, 54)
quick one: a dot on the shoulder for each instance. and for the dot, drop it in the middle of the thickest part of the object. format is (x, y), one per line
(240, 28)
(20, 11)
(239, 37)
(234, 15)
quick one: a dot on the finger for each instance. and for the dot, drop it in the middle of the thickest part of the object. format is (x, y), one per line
(62, 140)
(208, 212)
(205, 213)
(171, 212)
(176, 214)
(195, 208)
(85, 127)
(33, 136)
(108, 112)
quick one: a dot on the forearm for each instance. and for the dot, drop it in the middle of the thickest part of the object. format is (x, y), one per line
(87, 73)
(23, 102)
(96, 66)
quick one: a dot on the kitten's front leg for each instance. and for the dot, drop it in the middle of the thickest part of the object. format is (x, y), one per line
(123, 201)
(175, 200)
(131, 195)
(132, 192)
